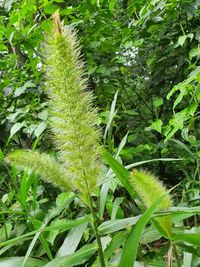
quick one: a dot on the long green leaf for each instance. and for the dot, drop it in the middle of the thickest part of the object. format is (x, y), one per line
(18, 261)
(193, 239)
(4, 249)
(178, 214)
(70, 224)
(72, 240)
(149, 235)
(119, 170)
(79, 257)
(103, 196)
(116, 225)
(189, 248)
(187, 259)
(46, 247)
(132, 165)
(116, 242)
(112, 113)
(117, 202)
(106, 185)
(131, 246)
(121, 146)
(52, 213)
(156, 263)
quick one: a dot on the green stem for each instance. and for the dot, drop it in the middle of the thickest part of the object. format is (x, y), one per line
(176, 255)
(100, 249)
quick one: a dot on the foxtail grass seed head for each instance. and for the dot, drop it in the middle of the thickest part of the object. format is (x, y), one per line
(149, 189)
(72, 117)
(41, 164)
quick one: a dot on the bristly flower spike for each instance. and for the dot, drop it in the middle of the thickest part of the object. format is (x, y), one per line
(43, 165)
(149, 189)
(72, 117)
(72, 121)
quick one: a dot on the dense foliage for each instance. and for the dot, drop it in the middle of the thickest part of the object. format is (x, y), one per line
(142, 65)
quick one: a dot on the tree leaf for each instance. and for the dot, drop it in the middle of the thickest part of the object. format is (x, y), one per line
(8, 4)
(181, 40)
(22, 89)
(40, 129)
(156, 125)
(112, 5)
(43, 115)
(158, 102)
(194, 52)
(15, 128)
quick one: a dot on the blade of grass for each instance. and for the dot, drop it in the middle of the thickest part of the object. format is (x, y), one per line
(77, 258)
(72, 241)
(113, 112)
(131, 245)
(187, 259)
(116, 242)
(121, 146)
(122, 171)
(54, 212)
(119, 171)
(4, 249)
(116, 204)
(106, 186)
(132, 165)
(116, 225)
(195, 250)
(102, 200)
(45, 246)
(193, 239)
(70, 224)
(17, 262)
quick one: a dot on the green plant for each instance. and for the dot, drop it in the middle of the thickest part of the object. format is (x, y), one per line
(72, 120)
(141, 83)
(149, 189)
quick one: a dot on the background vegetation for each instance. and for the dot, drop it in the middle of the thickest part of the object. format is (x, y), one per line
(142, 60)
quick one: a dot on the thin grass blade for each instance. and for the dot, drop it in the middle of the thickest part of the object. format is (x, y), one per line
(131, 246)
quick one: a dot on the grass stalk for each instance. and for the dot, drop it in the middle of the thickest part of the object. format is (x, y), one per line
(176, 255)
(100, 248)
